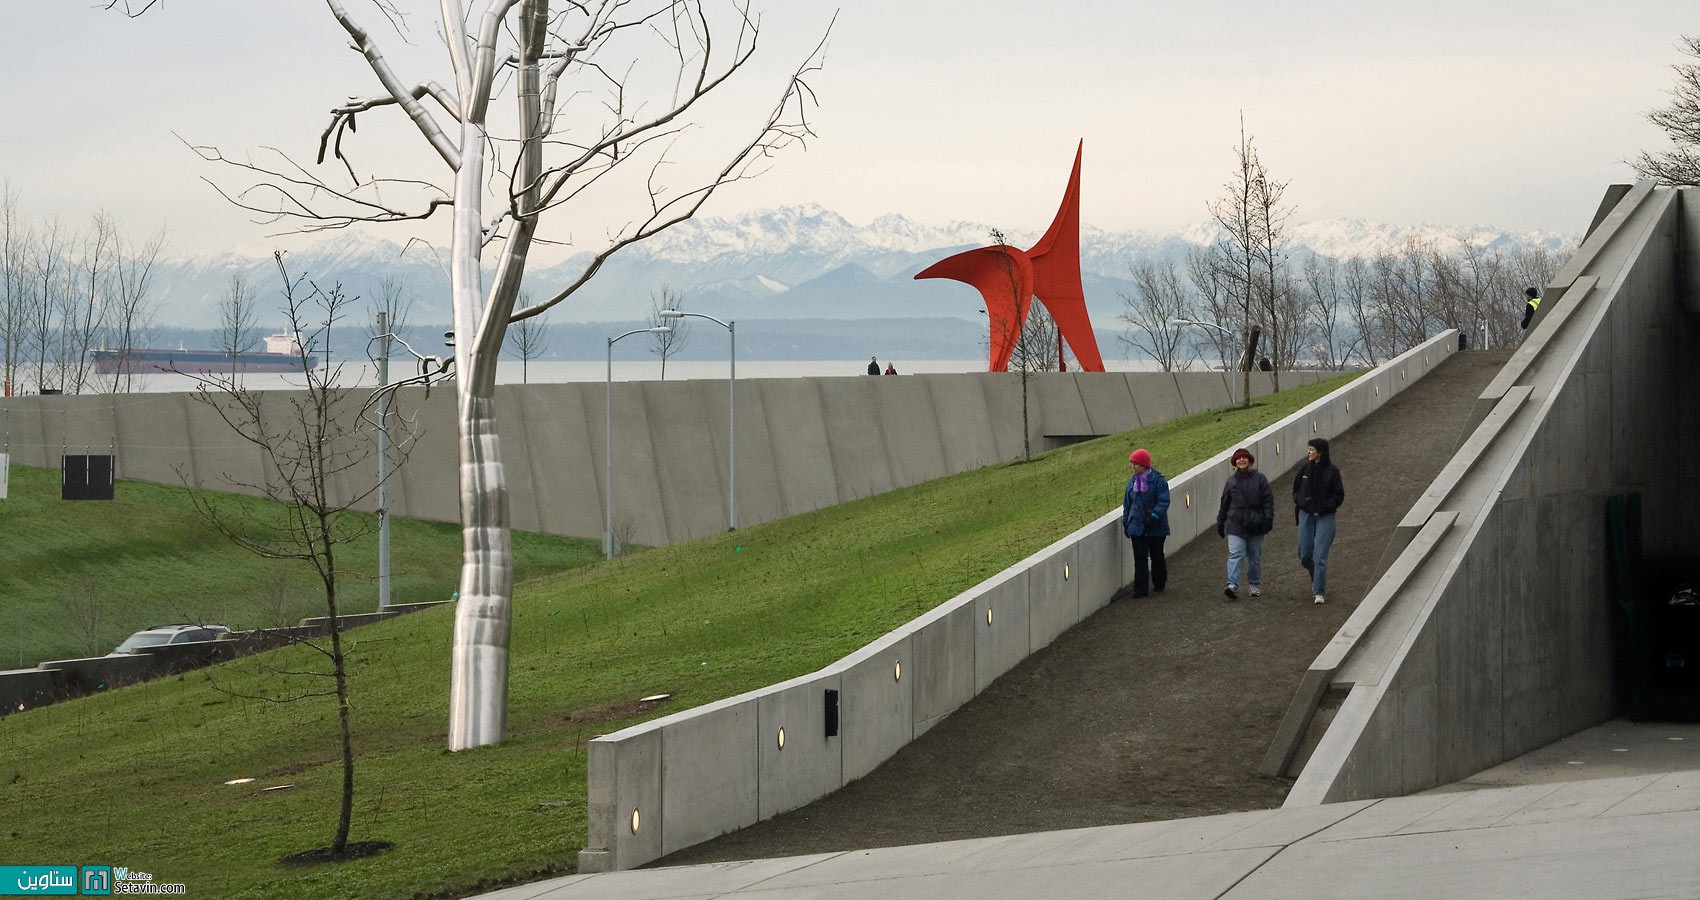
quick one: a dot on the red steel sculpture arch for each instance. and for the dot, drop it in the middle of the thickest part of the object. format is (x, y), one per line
(1009, 278)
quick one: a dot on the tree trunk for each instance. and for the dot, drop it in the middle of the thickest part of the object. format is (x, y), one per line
(339, 667)
(478, 688)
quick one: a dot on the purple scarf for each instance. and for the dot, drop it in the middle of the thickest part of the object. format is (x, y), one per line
(1139, 482)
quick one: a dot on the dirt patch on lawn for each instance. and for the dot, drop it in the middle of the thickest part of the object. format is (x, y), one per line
(1158, 708)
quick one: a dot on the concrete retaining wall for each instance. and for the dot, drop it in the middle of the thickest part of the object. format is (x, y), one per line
(675, 781)
(802, 444)
(1492, 635)
(55, 680)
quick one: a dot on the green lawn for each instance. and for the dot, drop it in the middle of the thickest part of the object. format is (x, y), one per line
(80, 576)
(135, 777)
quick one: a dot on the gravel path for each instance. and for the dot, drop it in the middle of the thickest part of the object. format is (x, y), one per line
(1160, 708)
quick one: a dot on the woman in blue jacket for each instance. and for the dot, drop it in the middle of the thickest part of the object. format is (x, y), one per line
(1145, 521)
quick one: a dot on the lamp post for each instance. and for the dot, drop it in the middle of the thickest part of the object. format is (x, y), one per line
(608, 547)
(1227, 372)
(731, 415)
(383, 460)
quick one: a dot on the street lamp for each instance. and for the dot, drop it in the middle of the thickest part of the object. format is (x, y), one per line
(383, 459)
(608, 547)
(1232, 339)
(731, 415)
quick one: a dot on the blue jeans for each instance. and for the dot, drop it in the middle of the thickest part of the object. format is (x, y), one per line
(1316, 535)
(1249, 550)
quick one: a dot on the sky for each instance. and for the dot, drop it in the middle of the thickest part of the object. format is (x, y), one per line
(1516, 114)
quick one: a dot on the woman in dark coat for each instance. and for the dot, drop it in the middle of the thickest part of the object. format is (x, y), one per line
(1245, 515)
(1145, 521)
(1317, 494)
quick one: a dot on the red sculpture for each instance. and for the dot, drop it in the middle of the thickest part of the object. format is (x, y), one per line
(1008, 279)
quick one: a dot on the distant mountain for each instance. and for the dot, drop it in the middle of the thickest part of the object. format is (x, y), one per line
(800, 262)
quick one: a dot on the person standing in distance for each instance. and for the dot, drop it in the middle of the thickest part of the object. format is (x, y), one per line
(1245, 515)
(873, 365)
(1317, 494)
(1145, 521)
(1533, 295)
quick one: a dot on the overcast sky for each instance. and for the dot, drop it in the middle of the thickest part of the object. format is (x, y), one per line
(1516, 114)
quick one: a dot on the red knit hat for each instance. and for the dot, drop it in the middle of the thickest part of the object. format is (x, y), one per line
(1140, 458)
(1240, 454)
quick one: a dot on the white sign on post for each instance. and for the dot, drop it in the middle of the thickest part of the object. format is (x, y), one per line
(5, 472)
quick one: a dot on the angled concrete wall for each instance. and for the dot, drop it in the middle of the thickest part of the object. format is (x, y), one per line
(909, 680)
(1500, 640)
(802, 444)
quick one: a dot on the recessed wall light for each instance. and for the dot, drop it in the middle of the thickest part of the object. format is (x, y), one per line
(782, 738)
(897, 671)
(637, 821)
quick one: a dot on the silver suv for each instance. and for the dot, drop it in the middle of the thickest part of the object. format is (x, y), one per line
(168, 634)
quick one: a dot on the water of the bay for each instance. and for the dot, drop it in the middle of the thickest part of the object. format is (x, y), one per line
(364, 373)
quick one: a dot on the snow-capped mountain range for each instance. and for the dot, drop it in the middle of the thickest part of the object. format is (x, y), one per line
(787, 263)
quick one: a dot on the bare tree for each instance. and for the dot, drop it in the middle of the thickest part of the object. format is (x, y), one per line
(16, 239)
(80, 612)
(48, 275)
(85, 304)
(580, 116)
(132, 304)
(238, 322)
(667, 343)
(1027, 332)
(1159, 297)
(1281, 313)
(394, 302)
(1326, 297)
(1216, 301)
(306, 449)
(1680, 121)
(528, 339)
(1239, 250)
(1294, 333)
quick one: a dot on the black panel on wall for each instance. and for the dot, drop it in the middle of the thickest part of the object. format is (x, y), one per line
(86, 477)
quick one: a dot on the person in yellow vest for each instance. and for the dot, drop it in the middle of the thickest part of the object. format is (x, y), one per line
(1534, 296)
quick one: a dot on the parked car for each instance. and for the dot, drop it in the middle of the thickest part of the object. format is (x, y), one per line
(168, 634)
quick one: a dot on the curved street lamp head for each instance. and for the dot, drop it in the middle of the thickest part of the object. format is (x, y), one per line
(680, 314)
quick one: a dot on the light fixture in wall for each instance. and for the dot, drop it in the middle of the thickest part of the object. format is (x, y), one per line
(1348, 406)
(782, 738)
(1312, 426)
(1378, 390)
(1065, 571)
(988, 615)
(637, 821)
(1277, 448)
(897, 671)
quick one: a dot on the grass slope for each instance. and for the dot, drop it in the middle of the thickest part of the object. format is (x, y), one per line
(147, 558)
(135, 777)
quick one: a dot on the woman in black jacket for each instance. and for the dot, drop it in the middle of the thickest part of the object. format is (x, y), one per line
(1245, 515)
(1317, 494)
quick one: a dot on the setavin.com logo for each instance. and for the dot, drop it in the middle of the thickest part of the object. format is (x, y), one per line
(87, 881)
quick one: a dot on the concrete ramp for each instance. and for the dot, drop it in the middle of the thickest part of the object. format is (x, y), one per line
(1491, 634)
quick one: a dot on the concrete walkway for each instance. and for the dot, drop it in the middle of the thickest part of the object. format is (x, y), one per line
(1546, 825)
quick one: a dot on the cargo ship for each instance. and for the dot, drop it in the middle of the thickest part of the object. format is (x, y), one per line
(282, 354)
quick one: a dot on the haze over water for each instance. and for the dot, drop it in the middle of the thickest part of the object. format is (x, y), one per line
(557, 371)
